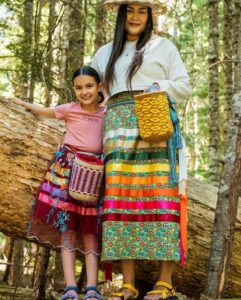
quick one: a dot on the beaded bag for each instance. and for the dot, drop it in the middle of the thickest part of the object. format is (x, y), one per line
(153, 114)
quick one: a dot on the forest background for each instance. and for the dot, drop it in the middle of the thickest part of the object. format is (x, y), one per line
(43, 42)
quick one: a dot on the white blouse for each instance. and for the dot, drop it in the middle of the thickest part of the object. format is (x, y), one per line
(161, 63)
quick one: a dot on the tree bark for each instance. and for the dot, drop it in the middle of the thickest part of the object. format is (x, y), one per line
(100, 34)
(17, 268)
(76, 36)
(10, 249)
(47, 68)
(58, 274)
(228, 194)
(64, 90)
(213, 91)
(228, 67)
(42, 276)
(82, 277)
(36, 55)
(26, 55)
(27, 144)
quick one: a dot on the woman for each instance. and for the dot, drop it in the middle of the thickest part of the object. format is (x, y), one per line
(141, 218)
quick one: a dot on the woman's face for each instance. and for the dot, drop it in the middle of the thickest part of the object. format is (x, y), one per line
(136, 20)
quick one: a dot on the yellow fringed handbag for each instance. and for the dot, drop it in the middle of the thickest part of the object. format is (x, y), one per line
(153, 114)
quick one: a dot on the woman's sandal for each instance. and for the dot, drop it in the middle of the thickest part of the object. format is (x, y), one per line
(91, 291)
(167, 293)
(71, 292)
(121, 295)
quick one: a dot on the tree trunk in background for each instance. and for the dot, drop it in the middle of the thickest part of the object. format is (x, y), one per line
(58, 274)
(236, 17)
(26, 146)
(17, 268)
(100, 34)
(35, 66)
(47, 73)
(64, 91)
(76, 36)
(213, 92)
(27, 24)
(10, 248)
(84, 26)
(227, 203)
(228, 67)
(36, 258)
(42, 276)
(82, 277)
(235, 24)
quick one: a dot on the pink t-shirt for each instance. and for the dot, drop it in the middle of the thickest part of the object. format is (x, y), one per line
(83, 128)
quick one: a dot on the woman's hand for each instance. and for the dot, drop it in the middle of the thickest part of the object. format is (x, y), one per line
(152, 88)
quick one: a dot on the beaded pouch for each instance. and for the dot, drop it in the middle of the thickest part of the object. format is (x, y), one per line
(153, 114)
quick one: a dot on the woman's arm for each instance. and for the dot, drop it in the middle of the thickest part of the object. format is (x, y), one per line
(36, 109)
(177, 82)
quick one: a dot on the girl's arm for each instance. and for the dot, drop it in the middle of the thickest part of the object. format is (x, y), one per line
(36, 109)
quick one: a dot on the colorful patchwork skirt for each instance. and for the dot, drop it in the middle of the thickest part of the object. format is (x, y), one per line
(57, 218)
(141, 213)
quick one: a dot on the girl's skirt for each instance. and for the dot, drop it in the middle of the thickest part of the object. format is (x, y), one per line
(141, 213)
(57, 218)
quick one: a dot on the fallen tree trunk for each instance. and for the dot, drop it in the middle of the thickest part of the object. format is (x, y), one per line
(27, 144)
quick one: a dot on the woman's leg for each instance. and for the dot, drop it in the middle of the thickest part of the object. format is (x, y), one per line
(165, 275)
(128, 271)
(166, 269)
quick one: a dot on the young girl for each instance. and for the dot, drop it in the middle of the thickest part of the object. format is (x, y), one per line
(141, 213)
(57, 218)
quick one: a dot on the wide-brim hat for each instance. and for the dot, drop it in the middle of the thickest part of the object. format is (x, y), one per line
(158, 7)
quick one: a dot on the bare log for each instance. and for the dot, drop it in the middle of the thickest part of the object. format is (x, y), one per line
(27, 144)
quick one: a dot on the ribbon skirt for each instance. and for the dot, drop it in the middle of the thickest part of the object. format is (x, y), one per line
(141, 214)
(57, 218)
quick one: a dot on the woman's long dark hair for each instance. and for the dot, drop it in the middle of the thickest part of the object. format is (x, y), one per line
(119, 43)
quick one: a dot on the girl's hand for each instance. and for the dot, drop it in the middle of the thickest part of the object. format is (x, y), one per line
(36, 109)
(17, 101)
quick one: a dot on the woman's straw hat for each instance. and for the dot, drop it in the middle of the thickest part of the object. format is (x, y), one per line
(158, 7)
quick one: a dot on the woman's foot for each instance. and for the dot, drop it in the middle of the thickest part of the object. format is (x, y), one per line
(161, 290)
(70, 293)
(92, 293)
(127, 292)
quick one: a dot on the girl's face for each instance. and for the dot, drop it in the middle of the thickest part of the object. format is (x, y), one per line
(136, 20)
(86, 91)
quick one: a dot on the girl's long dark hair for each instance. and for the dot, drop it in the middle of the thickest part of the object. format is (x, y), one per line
(119, 43)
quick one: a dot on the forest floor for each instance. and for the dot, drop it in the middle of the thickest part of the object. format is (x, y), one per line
(12, 293)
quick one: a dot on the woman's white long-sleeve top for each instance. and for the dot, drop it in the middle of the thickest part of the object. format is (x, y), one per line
(161, 63)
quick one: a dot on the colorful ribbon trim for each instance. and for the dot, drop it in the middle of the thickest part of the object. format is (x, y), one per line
(141, 205)
(141, 218)
(141, 193)
(90, 211)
